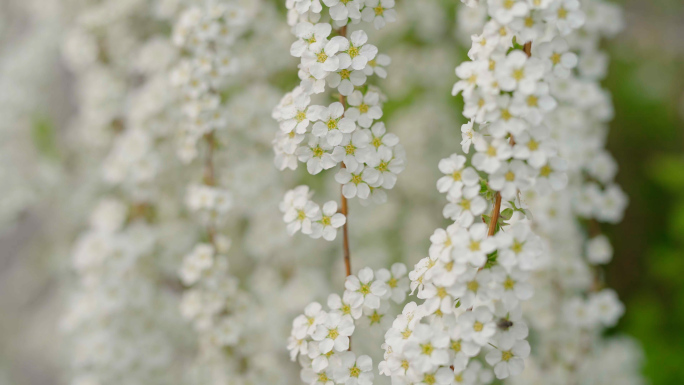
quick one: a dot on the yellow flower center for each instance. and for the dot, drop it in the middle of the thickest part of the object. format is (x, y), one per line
(562, 13)
(517, 247)
(429, 379)
(473, 285)
(333, 334)
(377, 142)
(301, 115)
(507, 355)
(375, 318)
(354, 371)
(322, 377)
(344, 74)
(325, 221)
(441, 292)
(332, 124)
(555, 58)
(364, 289)
(508, 4)
(532, 101)
(379, 10)
(427, 349)
(349, 149)
(456, 175)
(491, 150)
(456, 346)
(478, 326)
(506, 114)
(318, 152)
(356, 179)
(545, 171)
(529, 22)
(510, 176)
(363, 108)
(518, 74)
(474, 246)
(509, 284)
(465, 204)
(322, 57)
(353, 52)
(392, 283)
(382, 167)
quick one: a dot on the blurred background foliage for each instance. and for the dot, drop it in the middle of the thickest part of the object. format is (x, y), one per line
(647, 139)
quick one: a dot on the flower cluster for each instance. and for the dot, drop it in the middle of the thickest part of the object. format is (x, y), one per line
(207, 32)
(572, 295)
(346, 132)
(301, 213)
(321, 339)
(477, 273)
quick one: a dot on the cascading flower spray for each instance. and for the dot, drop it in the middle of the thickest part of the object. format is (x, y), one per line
(346, 133)
(477, 273)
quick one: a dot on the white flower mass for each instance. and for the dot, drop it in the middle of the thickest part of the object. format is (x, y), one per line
(205, 135)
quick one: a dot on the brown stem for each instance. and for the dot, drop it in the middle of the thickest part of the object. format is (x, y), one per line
(527, 48)
(495, 215)
(210, 177)
(345, 207)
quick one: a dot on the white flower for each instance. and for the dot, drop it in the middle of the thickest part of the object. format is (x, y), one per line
(510, 178)
(511, 287)
(355, 53)
(465, 208)
(328, 222)
(381, 139)
(557, 57)
(534, 147)
(309, 34)
(299, 211)
(353, 370)
(357, 182)
(508, 359)
(517, 246)
(519, 72)
(321, 58)
(505, 10)
(489, 156)
(364, 286)
(599, 250)
(380, 12)
(334, 333)
(427, 347)
(396, 281)
(345, 80)
(317, 155)
(552, 176)
(566, 15)
(332, 124)
(353, 150)
(472, 74)
(477, 325)
(306, 324)
(377, 66)
(364, 109)
(606, 306)
(297, 116)
(473, 245)
(456, 176)
(341, 10)
(348, 305)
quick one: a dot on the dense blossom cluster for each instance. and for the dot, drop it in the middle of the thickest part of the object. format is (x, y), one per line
(119, 312)
(345, 132)
(477, 273)
(321, 339)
